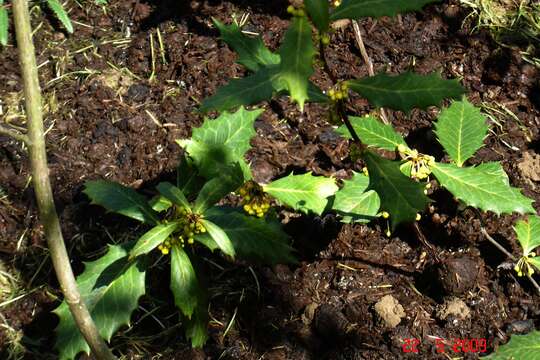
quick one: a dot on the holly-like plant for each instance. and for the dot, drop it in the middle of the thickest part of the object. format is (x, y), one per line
(188, 215)
(399, 185)
(528, 235)
(183, 217)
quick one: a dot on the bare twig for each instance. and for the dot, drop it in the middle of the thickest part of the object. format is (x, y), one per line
(42, 185)
(367, 60)
(509, 255)
(14, 134)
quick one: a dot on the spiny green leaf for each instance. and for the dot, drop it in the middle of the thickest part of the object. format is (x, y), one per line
(495, 169)
(318, 11)
(173, 193)
(111, 287)
(252, 53)
(374, 133)
(354, 203)
(297, 54)
(152, 238)
(406, 91)
(261, 240)
(303, 192)
(221, 142)
(234, 130)
(400, 196)
(483, 190)
(220, 237)
(356, 9)
(245, 91)
(520, 347)
(461, 129)
(215, 189)
(528, 234)
(61, 14)
(4, 24)
(120, 199)
(184, 283)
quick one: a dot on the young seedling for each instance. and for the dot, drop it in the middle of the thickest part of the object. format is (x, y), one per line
(184, 217)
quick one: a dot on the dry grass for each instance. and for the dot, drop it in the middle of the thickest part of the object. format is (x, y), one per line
(512, 23)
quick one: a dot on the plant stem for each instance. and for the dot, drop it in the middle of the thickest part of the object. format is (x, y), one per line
(509, 255)
(339, 108)
(15, 135)
(42, 185)
(367, 60)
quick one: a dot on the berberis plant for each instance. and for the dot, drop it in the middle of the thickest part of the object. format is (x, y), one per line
(188, 215)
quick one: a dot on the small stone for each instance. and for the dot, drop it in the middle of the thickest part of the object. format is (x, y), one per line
(389, 311)
(454, 307)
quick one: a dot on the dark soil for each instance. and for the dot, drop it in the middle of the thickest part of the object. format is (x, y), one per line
(101, 126)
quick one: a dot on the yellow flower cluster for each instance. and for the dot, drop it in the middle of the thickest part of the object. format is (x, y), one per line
(254, 200)
(420, 164)
(190, 225)
(340, 92)
(295, 12)
(523, 265)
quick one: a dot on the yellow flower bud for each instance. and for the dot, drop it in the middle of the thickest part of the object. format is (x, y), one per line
(385, 214)
(165, 251)
(290, 9)
(418, 217)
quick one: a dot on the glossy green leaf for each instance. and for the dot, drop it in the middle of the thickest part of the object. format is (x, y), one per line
(245, 91)
(184, 283)
(306, 193)
(160, 203)
(318, 11)
(406, 91)
(353, 203)
(152, 238)
(316, 95)
(297, 53)
(215, 189)
(4, 24)
(356, 9)
(220, 237)
(400, 196)
(111, 287)
(196, 327)
(173, 193)
(61, 14)
(120, 199)
(252, 53)
(221, 142)
(257, 239)
(483, 190)
(373, 133)
(461, 129)
(535, 261)
(495, 169)
(528, 234)
(234, 130)
(520, 347)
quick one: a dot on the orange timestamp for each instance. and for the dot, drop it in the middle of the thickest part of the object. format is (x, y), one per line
(473, 345)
